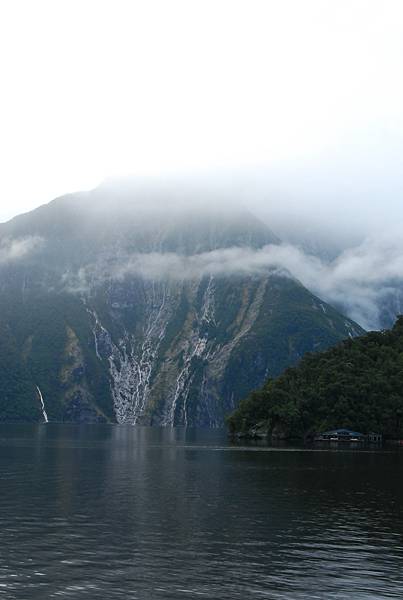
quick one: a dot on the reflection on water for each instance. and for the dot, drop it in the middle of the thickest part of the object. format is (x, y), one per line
(121, 512)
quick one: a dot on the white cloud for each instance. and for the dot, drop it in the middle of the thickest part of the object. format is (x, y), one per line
(359, 281)
(12, 250)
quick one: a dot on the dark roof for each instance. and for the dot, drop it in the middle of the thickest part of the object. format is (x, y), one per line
(343, 432)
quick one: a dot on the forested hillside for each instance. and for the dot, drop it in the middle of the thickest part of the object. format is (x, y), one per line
(357, 384)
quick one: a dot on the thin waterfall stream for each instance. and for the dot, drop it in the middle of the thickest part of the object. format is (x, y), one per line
(45, 416)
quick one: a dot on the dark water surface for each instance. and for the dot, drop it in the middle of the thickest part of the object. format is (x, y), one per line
(120, 512)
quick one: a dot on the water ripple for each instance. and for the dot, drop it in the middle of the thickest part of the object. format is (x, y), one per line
(137, 513)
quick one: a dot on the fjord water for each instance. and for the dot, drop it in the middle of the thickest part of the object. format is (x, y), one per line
(131, 512)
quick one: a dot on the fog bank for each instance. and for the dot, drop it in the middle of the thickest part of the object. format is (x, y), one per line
(15, 249)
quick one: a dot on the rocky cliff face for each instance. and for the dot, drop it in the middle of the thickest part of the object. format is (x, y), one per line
(137, 315)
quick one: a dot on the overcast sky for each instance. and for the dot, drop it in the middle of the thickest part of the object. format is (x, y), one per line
(307, 93)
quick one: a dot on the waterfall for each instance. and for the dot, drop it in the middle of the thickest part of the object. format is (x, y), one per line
(45, 416)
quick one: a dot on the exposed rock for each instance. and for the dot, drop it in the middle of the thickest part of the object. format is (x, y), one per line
(106, 342)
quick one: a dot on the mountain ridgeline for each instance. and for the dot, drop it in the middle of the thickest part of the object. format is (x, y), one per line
(118, 307)
(357, 384)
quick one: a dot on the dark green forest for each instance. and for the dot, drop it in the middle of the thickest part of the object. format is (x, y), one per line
(357, 384)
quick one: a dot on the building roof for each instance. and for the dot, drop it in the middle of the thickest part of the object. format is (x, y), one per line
(343, 432)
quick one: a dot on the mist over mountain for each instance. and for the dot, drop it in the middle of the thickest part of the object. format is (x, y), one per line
(342, 217)
(142, 304)
(364, 281)
(339, 250)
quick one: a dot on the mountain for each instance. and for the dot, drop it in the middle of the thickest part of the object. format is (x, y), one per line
(130, 304)
(360, 275)
(357, 384)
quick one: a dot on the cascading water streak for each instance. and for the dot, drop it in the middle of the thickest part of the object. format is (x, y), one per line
(44, 413)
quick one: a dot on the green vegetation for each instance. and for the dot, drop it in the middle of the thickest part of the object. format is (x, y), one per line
(357, 384)
(33, 342)
(202, 342)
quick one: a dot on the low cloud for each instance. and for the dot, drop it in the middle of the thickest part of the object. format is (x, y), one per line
(12, 250)
(364, 282)
(219, 263)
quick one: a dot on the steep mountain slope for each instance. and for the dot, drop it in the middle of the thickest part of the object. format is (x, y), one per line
(357, 385)
(360, 275)
(131, 306)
